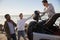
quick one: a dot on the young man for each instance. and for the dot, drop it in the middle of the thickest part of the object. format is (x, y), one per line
(20, 26)
(49, 9)
(9, 26)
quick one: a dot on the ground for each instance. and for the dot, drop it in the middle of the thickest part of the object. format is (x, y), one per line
(3, 37)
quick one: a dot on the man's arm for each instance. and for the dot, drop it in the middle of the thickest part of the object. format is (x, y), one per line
(29, 17)
(46, 10)
(42, 14)
(6, 28)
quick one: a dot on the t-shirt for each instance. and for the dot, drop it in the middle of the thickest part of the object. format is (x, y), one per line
(21, 23)
(49, 10)
(11, 27)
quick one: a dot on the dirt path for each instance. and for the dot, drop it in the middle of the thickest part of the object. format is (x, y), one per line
(3, 37)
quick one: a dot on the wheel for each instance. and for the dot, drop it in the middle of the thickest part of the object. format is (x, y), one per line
(31, 30)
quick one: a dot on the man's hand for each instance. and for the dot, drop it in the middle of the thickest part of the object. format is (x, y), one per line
(32, 14)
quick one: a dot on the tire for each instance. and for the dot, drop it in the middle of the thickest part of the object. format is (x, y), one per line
(31, 30)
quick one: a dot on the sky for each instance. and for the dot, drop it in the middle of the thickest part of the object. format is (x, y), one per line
(27, 7)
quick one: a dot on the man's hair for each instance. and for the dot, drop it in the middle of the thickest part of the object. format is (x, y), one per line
(6, 15)
(45, 1)
(20, 14)
(36, 12)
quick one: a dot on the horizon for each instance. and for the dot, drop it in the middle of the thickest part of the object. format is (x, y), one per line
(27, 7)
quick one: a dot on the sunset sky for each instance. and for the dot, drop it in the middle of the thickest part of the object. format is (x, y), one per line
(27, 7)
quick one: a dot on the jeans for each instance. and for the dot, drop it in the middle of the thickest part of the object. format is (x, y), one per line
(13, 36)
(21, 33)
